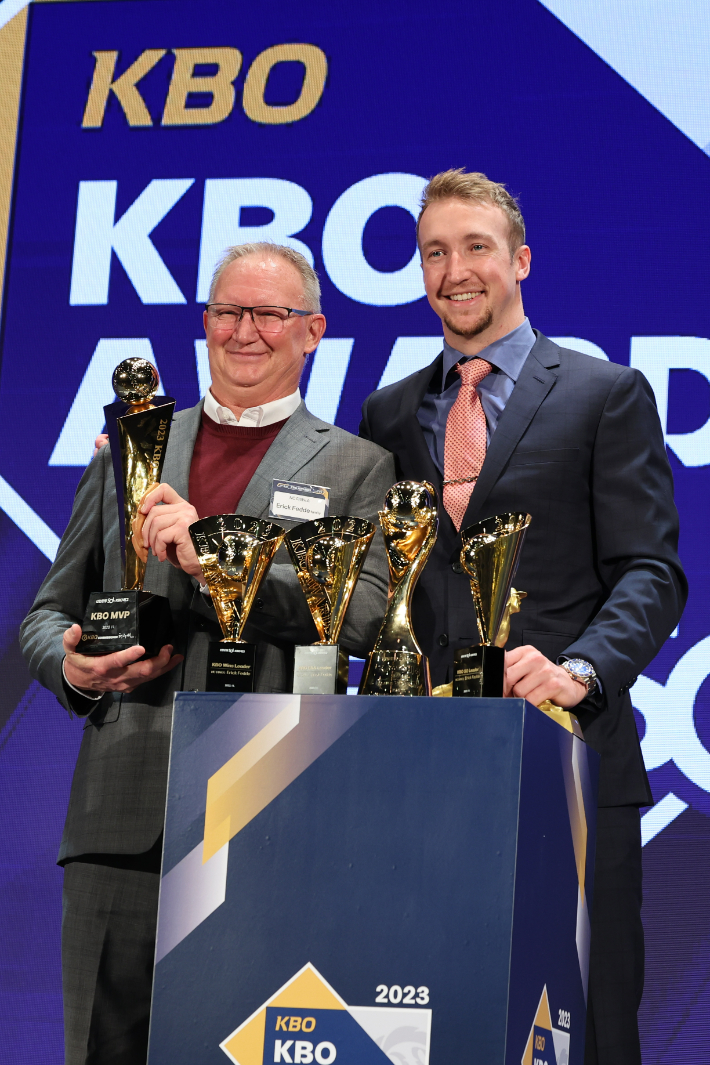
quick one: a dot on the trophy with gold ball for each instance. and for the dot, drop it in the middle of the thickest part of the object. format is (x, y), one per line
(409, 522)
(328, 554)
(138, 425)
(235, 553)
(490, 556)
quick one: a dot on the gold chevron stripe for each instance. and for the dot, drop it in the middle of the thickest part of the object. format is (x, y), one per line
(12, 52)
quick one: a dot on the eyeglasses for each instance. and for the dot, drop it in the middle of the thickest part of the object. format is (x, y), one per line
(265, 319)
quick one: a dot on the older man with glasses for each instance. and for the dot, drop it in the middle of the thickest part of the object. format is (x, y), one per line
(262, 321)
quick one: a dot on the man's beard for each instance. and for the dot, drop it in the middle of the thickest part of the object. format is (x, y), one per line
(480, 326)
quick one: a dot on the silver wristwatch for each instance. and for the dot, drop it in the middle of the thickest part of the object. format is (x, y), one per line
(581, 670)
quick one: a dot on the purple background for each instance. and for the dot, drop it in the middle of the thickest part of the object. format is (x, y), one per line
(617, 253)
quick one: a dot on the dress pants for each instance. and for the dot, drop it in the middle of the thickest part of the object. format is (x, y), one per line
(616, 961)
(108, 945)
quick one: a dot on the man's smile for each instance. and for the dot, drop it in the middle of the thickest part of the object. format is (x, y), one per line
(461, 297)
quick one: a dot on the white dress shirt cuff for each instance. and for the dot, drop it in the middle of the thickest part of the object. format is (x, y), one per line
(94, 696)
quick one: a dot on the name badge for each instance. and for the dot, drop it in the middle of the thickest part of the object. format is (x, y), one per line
(299, 502)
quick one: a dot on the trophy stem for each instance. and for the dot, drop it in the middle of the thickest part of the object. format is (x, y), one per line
(396, 633)
(138, 441)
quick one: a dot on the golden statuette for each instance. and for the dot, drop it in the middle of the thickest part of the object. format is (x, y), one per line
(328, 554)
(235, 553)
(141, 430)
(490, 555)
(409, 522)
(138, 426)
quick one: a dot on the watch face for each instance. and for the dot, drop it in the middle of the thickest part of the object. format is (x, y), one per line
(579, 668)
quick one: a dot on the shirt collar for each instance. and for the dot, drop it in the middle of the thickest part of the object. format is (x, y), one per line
(277, 410)
(507, 354)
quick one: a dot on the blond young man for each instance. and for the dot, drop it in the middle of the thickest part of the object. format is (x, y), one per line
(505, 420)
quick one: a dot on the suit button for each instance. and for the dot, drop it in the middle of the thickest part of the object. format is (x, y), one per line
(443, 640)
(259, 604)
(457, 567)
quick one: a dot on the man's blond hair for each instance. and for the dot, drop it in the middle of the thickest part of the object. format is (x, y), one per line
(475, 188)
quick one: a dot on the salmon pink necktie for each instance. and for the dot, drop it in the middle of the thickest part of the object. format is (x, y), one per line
(465, 440)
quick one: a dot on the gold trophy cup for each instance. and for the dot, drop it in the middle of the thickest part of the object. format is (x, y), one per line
(138, 425)
(490, 556)
(327, 554)
(235, 553)
(409, 521)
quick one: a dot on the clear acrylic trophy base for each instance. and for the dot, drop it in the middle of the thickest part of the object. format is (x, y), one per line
(320, 669)
(116, 620)
(395, 673)
(479, 672)
(230, 666)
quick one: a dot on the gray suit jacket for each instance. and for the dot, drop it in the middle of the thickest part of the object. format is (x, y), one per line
(118, 791)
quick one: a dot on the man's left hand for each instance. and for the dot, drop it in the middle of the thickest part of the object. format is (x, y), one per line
(529, 675)
(166, 529)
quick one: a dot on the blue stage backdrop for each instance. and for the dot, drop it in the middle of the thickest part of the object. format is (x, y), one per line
(138, 138)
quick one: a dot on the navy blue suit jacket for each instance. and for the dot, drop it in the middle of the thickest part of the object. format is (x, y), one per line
(579, 446)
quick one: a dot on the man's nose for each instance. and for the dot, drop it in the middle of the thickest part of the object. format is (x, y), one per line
(245, 328)
(459, 269)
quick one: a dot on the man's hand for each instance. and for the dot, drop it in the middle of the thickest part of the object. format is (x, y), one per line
(119, 672)
(100, 441)
(166, 529)
(529, 675)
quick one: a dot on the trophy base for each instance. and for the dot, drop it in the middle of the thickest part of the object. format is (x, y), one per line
(320, 669)
(395, 673)
(231, 667)
(117, 620)
(479, 672)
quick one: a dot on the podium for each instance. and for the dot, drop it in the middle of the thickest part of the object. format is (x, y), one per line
(361, 880)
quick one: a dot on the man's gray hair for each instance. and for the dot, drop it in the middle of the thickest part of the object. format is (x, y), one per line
(266, 250)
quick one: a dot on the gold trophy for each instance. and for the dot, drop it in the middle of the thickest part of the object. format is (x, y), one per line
(235, 553)
(409, 521)
(490, 556)
(138, 425)
(327, 554)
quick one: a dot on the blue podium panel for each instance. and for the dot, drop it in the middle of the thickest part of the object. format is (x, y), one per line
(359, 880)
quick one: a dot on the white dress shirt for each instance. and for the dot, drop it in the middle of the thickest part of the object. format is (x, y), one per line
(277, 410)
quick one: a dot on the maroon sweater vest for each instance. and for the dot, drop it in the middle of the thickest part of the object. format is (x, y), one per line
(224, 461)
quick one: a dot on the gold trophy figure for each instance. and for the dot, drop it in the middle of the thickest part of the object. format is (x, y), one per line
(490, 556)
(235, 553)
(409, 521)
(328, 554)
(138, 426)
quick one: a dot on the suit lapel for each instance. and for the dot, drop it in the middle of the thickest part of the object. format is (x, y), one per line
(181, 444)
(302, 437)
(535, 381)
(415, 460)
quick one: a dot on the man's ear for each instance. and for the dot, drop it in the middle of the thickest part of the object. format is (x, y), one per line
(316, 329)
(522, 259)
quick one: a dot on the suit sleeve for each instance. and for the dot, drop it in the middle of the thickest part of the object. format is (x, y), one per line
(284, 614)
(636, 527)
(364, 430)
(61, 600)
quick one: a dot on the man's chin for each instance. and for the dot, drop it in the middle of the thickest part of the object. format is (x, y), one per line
(469, 330)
